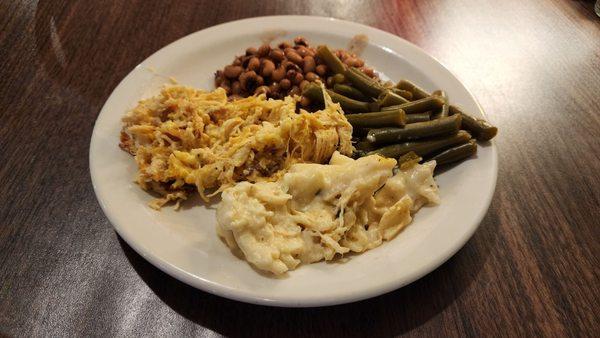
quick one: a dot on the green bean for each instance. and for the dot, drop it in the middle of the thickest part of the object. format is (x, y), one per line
(374, 106)
(348, 104)
(332, 61)
(363, 83)
(339, 78)
(418, 117)
(423, 148)
(359, 153)
(456, 153)
(480, 128)
(441, 112)
(404, 93)
(420, 105)
(365, 76)
(315, 93)
(418, 92)
(443, 126)
(378, 119)
(389, 98)
(408, 160)
(350, 92)
(360, 132)
(364, 146)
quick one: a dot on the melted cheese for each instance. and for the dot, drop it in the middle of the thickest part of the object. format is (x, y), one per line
(317, 212)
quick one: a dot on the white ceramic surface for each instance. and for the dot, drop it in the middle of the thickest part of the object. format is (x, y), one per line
(184, 243)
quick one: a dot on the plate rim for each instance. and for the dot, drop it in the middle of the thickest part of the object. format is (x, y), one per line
(236, 294)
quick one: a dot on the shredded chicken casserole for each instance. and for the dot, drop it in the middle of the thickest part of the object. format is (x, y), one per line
(186, 139)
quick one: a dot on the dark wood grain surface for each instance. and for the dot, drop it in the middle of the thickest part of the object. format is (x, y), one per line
(532, 268)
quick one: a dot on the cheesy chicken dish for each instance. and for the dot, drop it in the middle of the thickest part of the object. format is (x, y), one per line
(186, 139)
(315, 212)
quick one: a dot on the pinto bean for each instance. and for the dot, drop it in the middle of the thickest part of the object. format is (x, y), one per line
(285, 84)
(309, 64)
(232, 72)
(288, 65)
(277, 55)
(251, 51)
(298, 78)
(293, 56)
(302, 51)
(236, 87)
(321, 70)
(254, 64)
(263, 50)
(284, 45)
(248, 80)
(310, 76)
(278, 74)
(267, 67)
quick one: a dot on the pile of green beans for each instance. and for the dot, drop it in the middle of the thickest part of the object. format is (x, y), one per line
(402, 121)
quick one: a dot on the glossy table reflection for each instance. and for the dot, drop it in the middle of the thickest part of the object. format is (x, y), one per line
(531, 268)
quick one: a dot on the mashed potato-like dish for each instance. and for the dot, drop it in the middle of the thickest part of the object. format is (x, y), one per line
(315, 212)
(186, 139)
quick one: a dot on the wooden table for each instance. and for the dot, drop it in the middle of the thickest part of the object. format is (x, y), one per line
(531, 269)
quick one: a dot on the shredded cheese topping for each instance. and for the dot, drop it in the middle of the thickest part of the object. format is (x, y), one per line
(186, 139)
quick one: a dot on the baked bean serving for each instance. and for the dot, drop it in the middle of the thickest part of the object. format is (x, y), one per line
(281, 70)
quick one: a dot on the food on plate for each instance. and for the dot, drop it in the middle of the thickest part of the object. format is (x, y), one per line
(456, 153)
(281, 206)
(349, 91)
(395, 117)
(185, 139)
(392, 120)
(480, 128)
(318, 212)
(282, 70)
(413, 131)
(412, 107)
(314, 93)
(444, 110)
(368, 86)
(329, 58)
(418, 92)
(418, 117)
(391, 98)
(423, 148)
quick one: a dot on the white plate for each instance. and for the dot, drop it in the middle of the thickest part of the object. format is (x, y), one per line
(184, 243)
